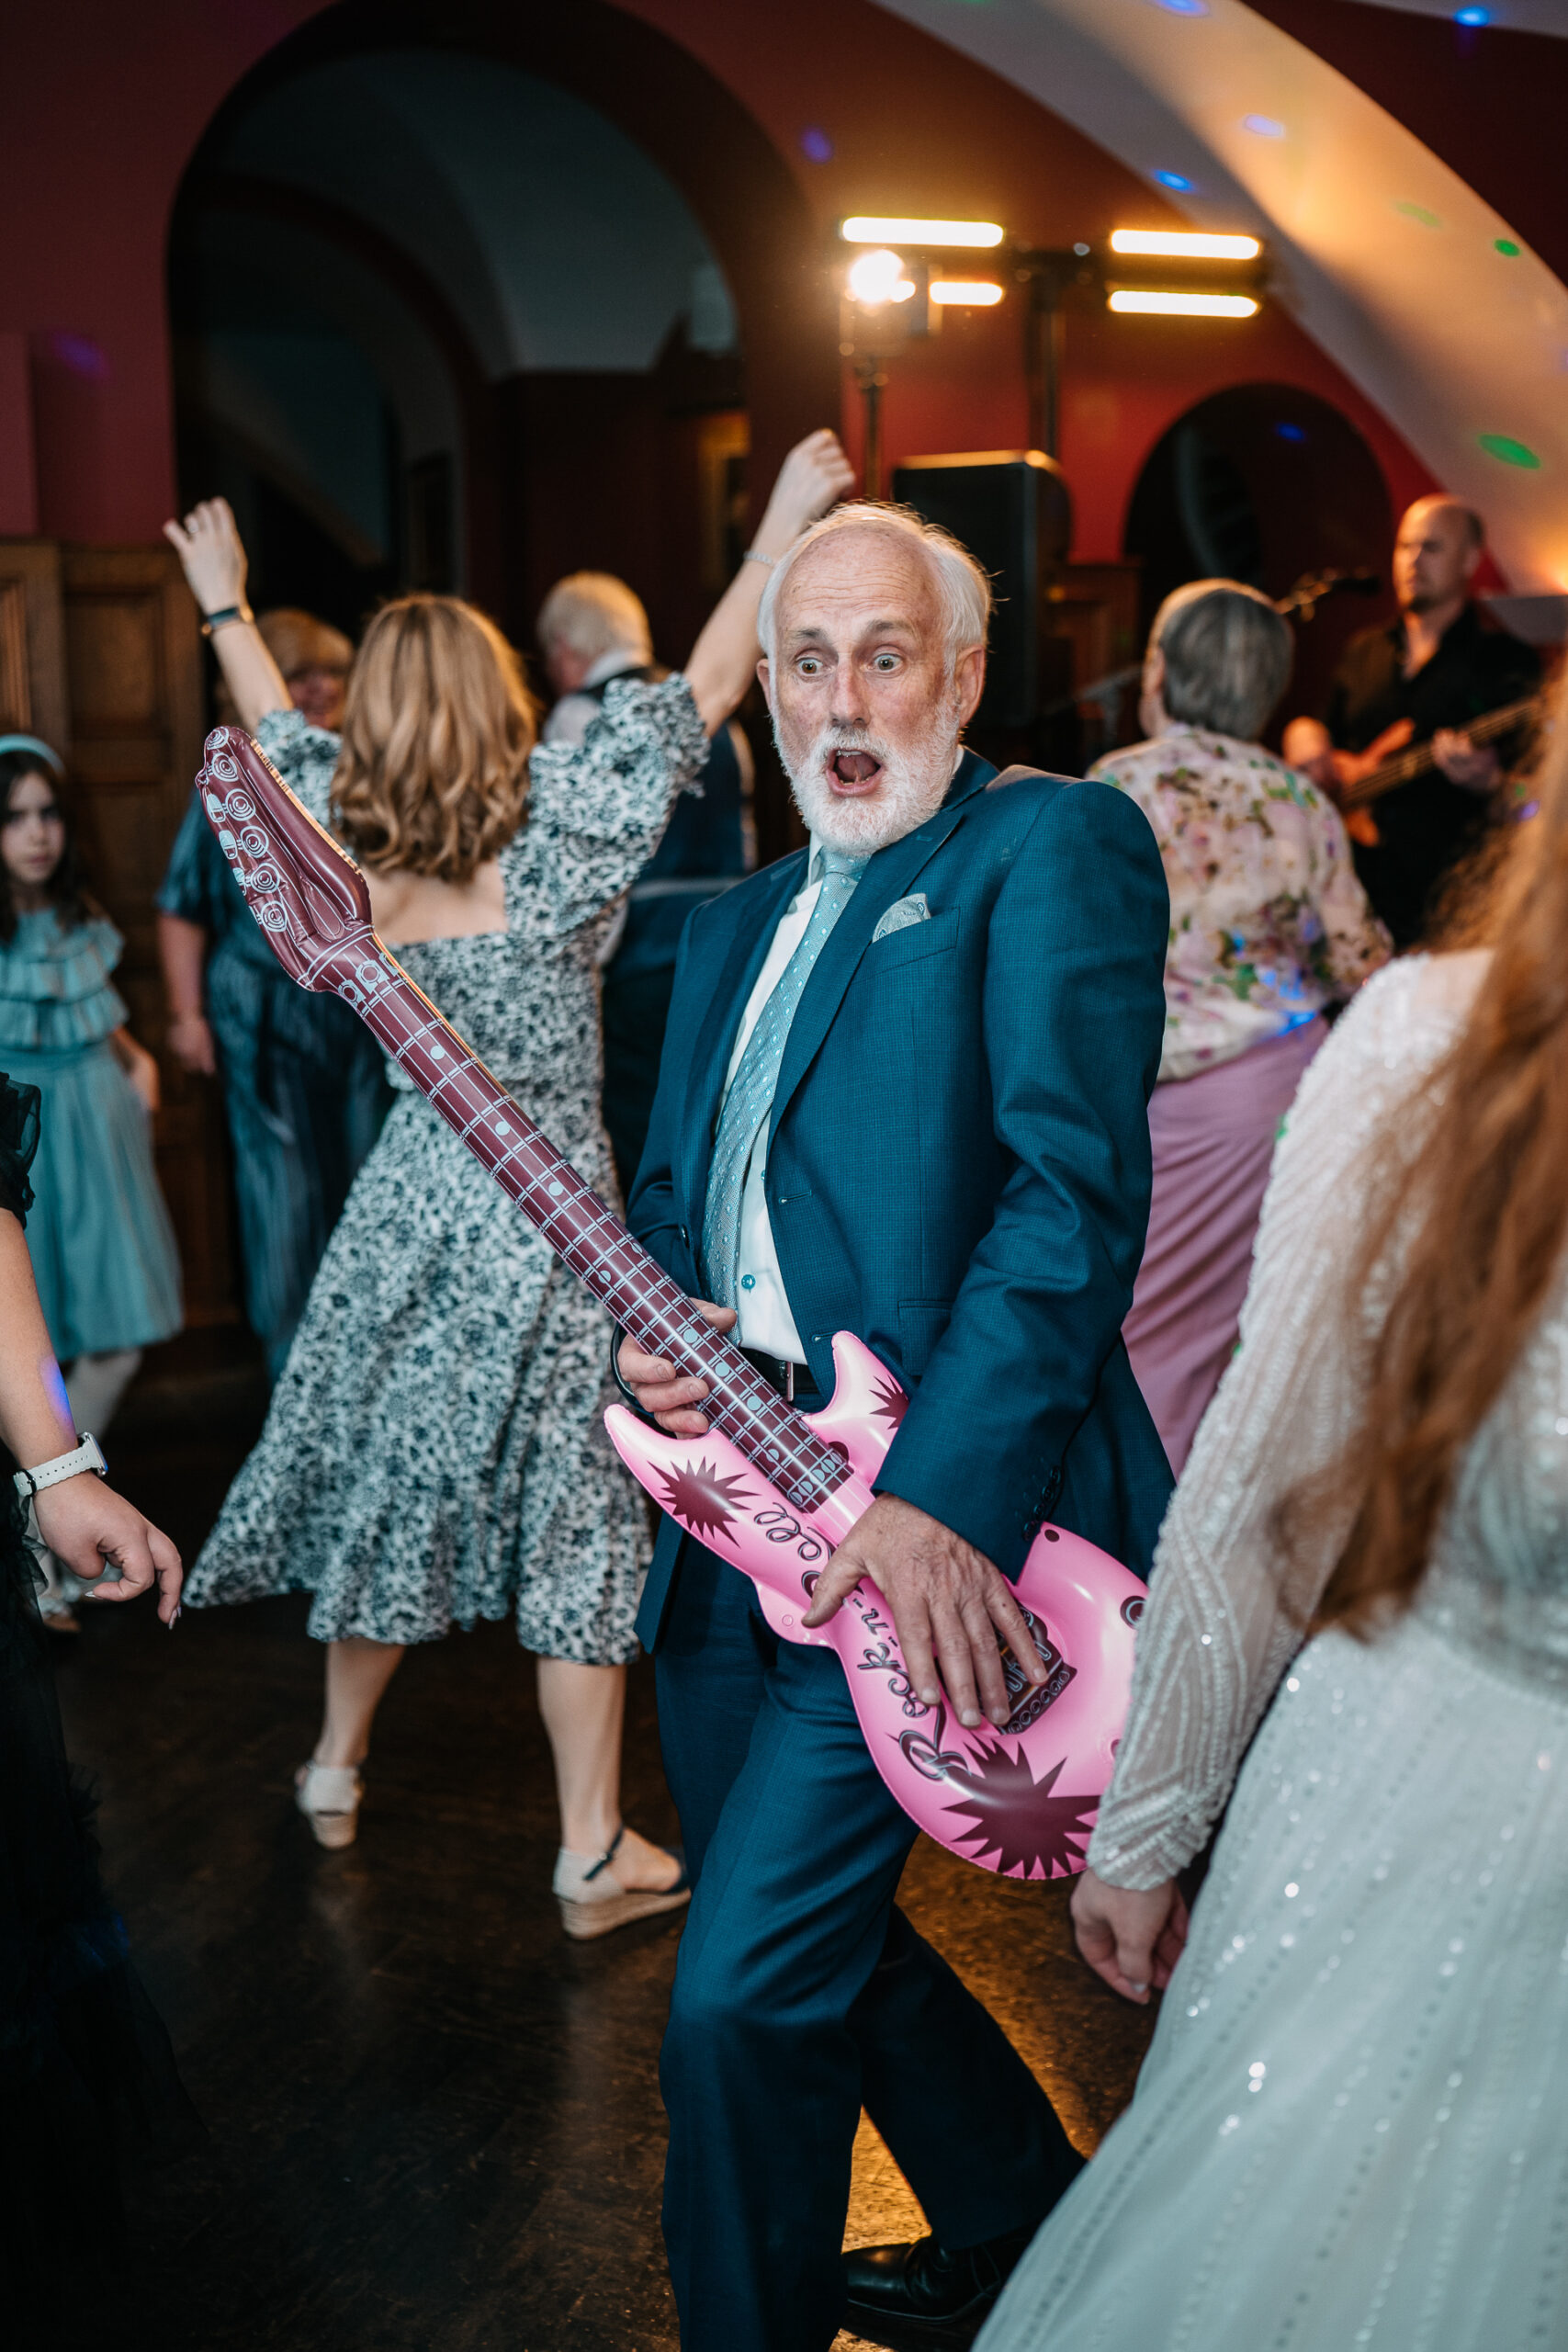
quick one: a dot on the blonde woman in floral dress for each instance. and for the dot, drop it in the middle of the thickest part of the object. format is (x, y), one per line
(435, 1450)
(1268, 925)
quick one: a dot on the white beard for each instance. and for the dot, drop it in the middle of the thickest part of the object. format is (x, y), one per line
(911, 787)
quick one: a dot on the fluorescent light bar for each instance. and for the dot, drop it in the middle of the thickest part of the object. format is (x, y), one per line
(863, 229)
(1184, 306)
(1177, 243)
(977, 293)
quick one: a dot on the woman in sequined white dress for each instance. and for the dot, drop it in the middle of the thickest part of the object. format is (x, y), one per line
(1348, 2129)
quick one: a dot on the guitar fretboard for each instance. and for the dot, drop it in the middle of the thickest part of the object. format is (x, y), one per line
(584, 1232)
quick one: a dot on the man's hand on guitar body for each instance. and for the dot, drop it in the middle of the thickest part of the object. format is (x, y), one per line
(949, 1604)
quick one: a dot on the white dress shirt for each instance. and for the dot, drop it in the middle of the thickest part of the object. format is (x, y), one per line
(766, 1322)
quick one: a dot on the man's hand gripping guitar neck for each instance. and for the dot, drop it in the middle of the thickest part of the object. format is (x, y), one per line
(953, 1611)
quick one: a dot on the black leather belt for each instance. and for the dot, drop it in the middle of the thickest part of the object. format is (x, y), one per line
(793, 1381)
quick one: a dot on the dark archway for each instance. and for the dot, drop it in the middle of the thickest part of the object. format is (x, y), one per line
(709, 148)
(1262, 483)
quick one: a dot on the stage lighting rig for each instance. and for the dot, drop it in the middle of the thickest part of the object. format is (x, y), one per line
(902, 280)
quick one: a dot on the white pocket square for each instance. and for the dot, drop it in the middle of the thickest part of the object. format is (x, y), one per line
(900, 915)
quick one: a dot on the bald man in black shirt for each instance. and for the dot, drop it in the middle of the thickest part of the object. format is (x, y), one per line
(1435, 669)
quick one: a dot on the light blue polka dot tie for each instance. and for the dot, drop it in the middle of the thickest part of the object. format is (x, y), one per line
(749, 1101)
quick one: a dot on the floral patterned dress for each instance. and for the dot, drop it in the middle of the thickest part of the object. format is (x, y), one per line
(436, 1449)
(1268, 922)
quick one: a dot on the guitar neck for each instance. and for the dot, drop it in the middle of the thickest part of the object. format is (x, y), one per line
(585, 1235)
(1420, 759)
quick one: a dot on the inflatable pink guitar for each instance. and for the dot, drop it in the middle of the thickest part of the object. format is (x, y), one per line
(769, 1489)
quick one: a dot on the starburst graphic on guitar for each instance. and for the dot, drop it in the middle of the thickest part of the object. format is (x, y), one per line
(891, 1402)
(706, 1501)
(1017, 1816)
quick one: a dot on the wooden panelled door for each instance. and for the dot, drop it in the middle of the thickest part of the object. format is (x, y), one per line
(101, 656)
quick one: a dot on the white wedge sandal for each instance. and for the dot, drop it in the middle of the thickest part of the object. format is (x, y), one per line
(593, 1900)
(328, 1795)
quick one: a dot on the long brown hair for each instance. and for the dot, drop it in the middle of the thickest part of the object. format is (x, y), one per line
(433, 777)
(1483, 1201)
(65, 890)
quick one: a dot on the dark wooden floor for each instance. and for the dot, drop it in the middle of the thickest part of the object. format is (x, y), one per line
(434, 2121)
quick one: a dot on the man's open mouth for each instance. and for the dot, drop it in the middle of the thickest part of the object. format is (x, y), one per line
(854, 771)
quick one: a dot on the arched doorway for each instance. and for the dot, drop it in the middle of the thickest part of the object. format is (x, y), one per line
(1263, 482)
(550, 279)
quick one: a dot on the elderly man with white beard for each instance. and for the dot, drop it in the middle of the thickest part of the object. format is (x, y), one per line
(904, 1093)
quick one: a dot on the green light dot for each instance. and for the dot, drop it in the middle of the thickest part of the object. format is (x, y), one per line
(1418, 212)
(1506, 246)
(1512, 453)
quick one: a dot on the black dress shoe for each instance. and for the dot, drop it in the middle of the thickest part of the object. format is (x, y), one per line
(919, 2296)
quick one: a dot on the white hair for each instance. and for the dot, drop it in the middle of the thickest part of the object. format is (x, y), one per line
(593, 614)
(964, 588)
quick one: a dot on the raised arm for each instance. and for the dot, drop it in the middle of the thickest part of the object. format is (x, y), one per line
(814, 475)
(213, 557)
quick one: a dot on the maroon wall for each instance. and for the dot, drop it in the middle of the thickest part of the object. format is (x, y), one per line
(102, 108)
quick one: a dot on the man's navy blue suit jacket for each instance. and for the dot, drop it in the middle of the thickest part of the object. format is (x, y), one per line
(959, 1166)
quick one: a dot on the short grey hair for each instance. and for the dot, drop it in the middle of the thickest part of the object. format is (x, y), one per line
(963, 585)
(1228, 656)
(593, 614)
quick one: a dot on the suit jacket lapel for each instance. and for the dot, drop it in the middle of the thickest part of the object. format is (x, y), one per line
(737, 977)
(888, 878)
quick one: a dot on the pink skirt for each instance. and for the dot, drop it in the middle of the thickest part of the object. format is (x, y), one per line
(1213, 1140)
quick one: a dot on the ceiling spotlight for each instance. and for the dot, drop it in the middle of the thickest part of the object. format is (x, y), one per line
(973, 293)
(877, 278)
(1180, 243)
(1182, 306)
(863, 228)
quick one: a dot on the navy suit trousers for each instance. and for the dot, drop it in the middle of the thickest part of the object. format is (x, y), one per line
(802, 1992)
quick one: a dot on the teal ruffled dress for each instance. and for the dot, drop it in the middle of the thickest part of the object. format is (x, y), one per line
(103, 1249)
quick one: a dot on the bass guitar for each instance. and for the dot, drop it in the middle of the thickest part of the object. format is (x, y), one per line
(1393, 766)
(770, 1489)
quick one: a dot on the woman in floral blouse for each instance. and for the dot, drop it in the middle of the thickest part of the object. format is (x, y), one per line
(1268, 925)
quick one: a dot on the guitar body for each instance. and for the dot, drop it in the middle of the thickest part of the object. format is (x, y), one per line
(770, 1489)
(1020, 1799)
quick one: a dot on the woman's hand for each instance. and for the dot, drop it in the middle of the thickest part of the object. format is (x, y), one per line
(213, 555)
(1134, 1940)
(140, 1067)
(209, 548)
(814, 475)
(189, 1039)
(87, 1525)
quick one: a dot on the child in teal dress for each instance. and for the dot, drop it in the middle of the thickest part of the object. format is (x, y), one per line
(102, 1246)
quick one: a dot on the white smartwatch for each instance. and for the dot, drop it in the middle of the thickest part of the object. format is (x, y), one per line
(87, 1456)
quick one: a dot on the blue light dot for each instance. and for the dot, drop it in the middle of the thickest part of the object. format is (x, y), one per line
(1184, 7)
(816, 145)
(1172, 179)
(1473, 15)
(1263, 125)
(1291, 432)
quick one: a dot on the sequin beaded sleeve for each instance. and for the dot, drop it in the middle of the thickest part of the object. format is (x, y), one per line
(1218, 1636)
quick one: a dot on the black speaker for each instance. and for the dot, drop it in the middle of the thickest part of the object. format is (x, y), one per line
(1012, 511)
